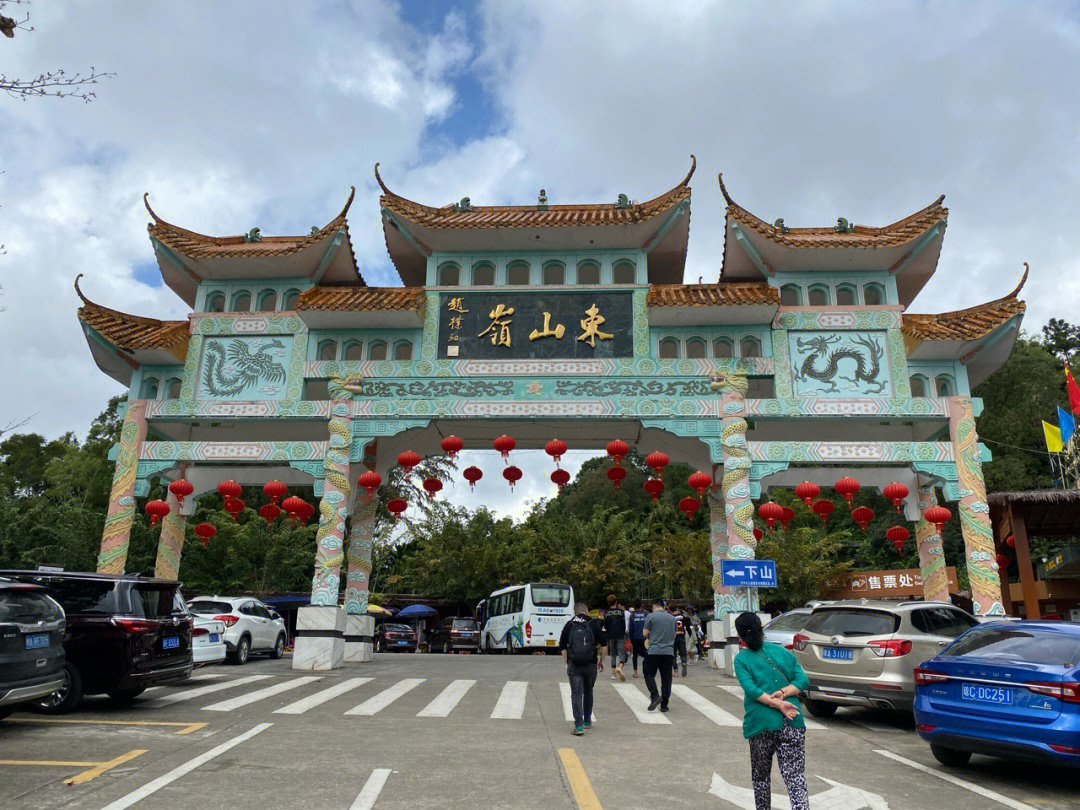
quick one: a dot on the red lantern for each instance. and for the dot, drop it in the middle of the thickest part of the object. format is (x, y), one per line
(654, 486)
(938, 515)
(895, 492)
(234, 506)
(787, 517)
(270, 512)
(770, 512)
(205, 531)
(408, 460)
(823, 509)
(306, 511)
(397, 506)
(370, 481)
(658, 461)
(807, 490)
(560, 478)
(847, 487)
(275, 490)
(699, 481)
(862, 515)
(293, 506)
(616, 476)
(504, 444)
(1002, 562)
(688, 506)
(1010, 541)
(555, 448)
(899, 547)
(156, 510)
(512, 474)
(898, 535)
(758, 533)
(180, 489)
(472, 475)
(229, 489)
(432, 485)
(617, 449)
(451, 445)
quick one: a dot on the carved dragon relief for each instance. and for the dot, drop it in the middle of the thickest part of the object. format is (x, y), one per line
(867, 369)
(229, 371)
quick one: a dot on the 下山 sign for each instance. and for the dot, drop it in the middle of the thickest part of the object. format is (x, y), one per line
(748, 573)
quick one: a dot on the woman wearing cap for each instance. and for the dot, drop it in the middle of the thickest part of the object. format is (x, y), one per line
(771, 680)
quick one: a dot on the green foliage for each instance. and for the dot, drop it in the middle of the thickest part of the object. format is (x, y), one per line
(806, 559)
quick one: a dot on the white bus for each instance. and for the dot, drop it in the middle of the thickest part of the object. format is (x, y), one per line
(524, 618)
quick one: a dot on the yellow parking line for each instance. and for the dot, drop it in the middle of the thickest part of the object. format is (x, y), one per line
(185, 728)
(579, 782)
(94, 769)
(51, 762)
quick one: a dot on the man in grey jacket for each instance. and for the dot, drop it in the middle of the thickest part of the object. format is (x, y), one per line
(659, 632)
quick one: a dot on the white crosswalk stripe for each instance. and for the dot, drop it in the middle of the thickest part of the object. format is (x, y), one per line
(322, 696)
(376, 704)
(372, 788)
(568, 710)
(189, 694)
(447, 700)
(639, 705)
(511, 703)
(737, 691)
(706, 707)
(260, 694)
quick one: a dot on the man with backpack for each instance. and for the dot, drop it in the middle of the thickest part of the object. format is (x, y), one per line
(635, 625)
(615, 627)
(581, 636)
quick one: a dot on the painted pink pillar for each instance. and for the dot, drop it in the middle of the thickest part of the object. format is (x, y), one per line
(931, 553)
(116, 537)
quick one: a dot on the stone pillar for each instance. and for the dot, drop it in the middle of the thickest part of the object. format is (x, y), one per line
(116, 537)
(359, 627)
(931, 554)
(171, 542)
(974, 511)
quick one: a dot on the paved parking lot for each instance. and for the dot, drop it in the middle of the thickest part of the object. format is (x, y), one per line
(427, 731)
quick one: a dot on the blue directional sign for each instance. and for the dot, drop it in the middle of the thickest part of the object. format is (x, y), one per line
(748, 573)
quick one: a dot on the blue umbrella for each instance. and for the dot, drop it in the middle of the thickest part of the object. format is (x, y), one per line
(416, 612)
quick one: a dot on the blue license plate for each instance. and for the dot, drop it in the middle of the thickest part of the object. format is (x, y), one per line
(1001, 695)
(214, 638)
(170, 642)
(37, 641)
(838, 653)
(401, 642)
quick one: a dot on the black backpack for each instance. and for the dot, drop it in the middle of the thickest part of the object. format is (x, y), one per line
(581, 645)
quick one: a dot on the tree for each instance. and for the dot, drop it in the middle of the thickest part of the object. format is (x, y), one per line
(806, 559)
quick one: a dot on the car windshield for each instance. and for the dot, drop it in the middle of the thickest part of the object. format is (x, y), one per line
(550, 595)
(852, 622)
(397, 628)
(26, 607)
(1004, 643)
(464, 624)
(152, 601)
(789, 621)
(210, 606)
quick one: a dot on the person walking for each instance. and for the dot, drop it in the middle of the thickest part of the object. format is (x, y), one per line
(681, 626)
(659, 631)
(581, 636)
(771, 680)
(635, 626)
(615, 627)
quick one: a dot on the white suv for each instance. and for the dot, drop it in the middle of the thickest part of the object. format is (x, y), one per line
(250, 626)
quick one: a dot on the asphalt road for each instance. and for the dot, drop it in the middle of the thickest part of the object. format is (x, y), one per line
(430, 731)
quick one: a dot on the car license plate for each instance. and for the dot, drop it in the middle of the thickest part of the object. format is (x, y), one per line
(214, 638)
(986, 694)
(838, 653)
(170, 642)
(401, 642)
(36, 641)
(551, 642)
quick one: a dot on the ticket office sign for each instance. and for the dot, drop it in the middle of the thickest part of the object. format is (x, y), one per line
(539, 326)
(896, 584)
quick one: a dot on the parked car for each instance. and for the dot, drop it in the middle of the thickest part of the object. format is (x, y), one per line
(1010, 689)
(249, 627)
(862, 653)
(782, 629)
(122, 635)
(31, 645)
(395, 637)
(454, 634)
(207, 637)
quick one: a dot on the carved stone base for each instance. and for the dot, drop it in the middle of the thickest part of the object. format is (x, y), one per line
(359, 630)
(320, 642)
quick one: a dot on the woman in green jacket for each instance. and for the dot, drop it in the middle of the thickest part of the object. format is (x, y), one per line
(771, 680)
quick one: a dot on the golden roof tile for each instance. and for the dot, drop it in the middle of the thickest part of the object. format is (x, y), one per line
(966, 324)
(132, 332)
(703, 295)
(337, 299)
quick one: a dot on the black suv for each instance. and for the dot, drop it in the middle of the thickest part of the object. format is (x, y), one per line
(122, 635)
(31, 645)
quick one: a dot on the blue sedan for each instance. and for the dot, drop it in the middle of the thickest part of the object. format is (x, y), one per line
(1004, 690)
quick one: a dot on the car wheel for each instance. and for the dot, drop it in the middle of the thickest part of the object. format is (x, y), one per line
(819, 708)
(126, 695)
(67, 697)
(950, 756)
(243, 650)
(279, 647)
(378, 645)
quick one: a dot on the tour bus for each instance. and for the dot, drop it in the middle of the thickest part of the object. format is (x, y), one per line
(524, 618)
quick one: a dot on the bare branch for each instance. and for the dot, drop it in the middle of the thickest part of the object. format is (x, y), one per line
(15, 424)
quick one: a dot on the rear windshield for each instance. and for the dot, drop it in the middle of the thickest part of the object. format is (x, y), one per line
(464, 624)
(84, 596)
(1019, 644)
(210, 606)
(26, 607)
(550, 595)
(152, 601)
(852, 622)
(398, 628)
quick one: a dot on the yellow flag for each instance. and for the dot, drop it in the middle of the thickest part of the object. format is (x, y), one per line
(1053, 438)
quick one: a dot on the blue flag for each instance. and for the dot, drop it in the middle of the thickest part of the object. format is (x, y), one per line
(1067, 424)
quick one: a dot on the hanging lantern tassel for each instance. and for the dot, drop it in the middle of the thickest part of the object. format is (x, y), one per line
(895, 492)
(472, 475)
(205, 531)
(560, 478)
(616, 476)
(654, 486)
(807, 491)
(689, 506)
(862, 515)
(432, 486)
(180, 489)
(823, 509)
(156, 510)
(512, 474)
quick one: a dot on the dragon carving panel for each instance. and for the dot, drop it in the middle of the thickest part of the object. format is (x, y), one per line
(244, 368)
(839, 364)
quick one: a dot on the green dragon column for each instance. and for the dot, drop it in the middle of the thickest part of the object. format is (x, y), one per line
(333, 508)
(116, 536)
(935, 580)
(171, 543)
(358, 576)
(974, 511)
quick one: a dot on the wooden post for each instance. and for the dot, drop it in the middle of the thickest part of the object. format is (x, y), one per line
(1023, 561)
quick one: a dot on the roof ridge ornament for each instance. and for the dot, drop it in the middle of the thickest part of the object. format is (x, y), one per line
(464, 206)
(80, 292)
(146, 202)
(542, 201)
(1023, 280)
(843, 226)
(780, 226)
(693, 167)
(723, 189)
(254, 235)
(348, 202)
(379, 180)
(623, 201)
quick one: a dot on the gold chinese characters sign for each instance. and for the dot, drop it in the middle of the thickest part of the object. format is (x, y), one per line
(883, 584)
(540, 325)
